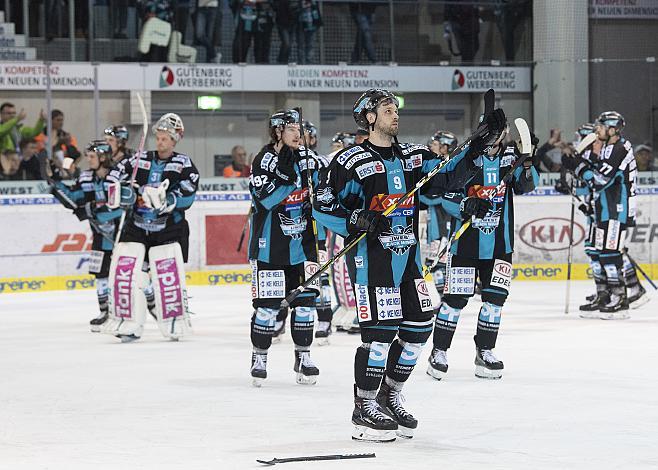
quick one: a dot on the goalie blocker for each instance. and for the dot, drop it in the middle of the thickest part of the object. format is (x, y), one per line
(127, 302)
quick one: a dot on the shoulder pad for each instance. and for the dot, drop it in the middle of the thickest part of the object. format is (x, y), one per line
(185, 160)
(324, 160)
(268, 161)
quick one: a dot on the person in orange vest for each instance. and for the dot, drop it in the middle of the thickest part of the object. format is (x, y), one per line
(238, 168)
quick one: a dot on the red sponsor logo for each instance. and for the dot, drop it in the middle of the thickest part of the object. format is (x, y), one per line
(297, 197)
(504, 269)
(487, 192)
(66, 242)
(551, 233)
(381, 202)
(421, 287)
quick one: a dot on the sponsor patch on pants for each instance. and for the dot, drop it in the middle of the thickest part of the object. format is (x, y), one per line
(389, 304)
(501, 276)
(424, 297)
(612, 241)
(271, 284)
(362, 303)
(461, 281)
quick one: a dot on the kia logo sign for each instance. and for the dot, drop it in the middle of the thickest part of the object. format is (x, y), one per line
(551, 233)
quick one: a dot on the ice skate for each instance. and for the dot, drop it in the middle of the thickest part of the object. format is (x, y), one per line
(279, 330)
(637, 297)
(258, 368)
(371, 423)
(590, 309)
(617, 306)
(307, 372)
(128, 338)
(390, 401)
(322, 333)
(96, 324)
(438, 364)
(487, 366)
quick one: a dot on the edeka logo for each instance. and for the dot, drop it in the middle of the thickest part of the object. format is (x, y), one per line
(67, 242)
(229, 277)
(551, 233)
(458, 80)
(166, 77)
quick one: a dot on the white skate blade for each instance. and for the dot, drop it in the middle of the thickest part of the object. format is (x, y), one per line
(435, 374)
(302, 379)
(620, 315)
(128, 338)
(257, 382)
(95, 328)
(482, 372)
(405, 433)
(276, 339)
(594, 314)
(641, 301)
(363, 433)
(322, 341)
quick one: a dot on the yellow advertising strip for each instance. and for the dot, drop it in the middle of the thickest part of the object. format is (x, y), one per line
(522, 272)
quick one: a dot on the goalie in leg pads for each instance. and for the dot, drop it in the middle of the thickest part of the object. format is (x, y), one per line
(156, 232)
(87, 199)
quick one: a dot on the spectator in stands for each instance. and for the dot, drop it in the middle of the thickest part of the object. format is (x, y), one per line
(255, 20)
(361, 135)
(238, 167)
(509, 15)
(30, 167)
(287, 17)
(182, 9)
(549, 156)
(463, 23)
(10, 163)
(362, 13)
(64, 146)
(11, 129)
(644, 158)
(161, 9)
(309, 22)
(204, 31)
(119, 16)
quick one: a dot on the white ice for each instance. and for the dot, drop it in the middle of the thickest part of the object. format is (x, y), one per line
(575, 394)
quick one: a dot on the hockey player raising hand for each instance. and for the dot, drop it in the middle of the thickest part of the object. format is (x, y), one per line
(393, 303)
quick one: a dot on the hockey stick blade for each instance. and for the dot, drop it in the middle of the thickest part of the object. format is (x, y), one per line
(586, 142)
(312, 458)
(524, 132)
(489, 101)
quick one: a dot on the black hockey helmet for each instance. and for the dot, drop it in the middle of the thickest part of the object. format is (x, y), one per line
(368, 103)
(584, 130)
(103, 150)
(611, 119)
(311, 129)
(280, 119)
(118, 132)
(344, 138)
(446, 138)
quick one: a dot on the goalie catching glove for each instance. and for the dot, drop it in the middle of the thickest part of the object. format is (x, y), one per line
(156, 198)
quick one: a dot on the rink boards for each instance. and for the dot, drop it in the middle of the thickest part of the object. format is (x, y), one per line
(44, 247)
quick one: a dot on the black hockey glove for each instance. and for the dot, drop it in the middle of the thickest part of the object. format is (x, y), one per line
(570, 163)
(474, 206)
(488, 132)
(562, 187)
(586, 210)
(363, 220)
(285, 168)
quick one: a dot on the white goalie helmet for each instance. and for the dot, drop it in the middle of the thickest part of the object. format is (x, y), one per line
(172, 124)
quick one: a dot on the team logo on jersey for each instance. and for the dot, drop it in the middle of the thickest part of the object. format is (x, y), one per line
(489, 222)
(325, 196)
(296, 199)
(399, 239)
(488, 192)
(381, 202)
(293, 227)
(145, 164)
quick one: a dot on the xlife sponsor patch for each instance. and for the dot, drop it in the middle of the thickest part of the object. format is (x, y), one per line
(487, 192)
(296, 199)
(381, 202)
(369, 169)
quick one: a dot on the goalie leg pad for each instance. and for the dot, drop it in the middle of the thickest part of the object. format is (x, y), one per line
(126, 302)
(168, 277)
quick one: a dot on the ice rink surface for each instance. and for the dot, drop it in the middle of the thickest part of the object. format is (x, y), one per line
(575, 394)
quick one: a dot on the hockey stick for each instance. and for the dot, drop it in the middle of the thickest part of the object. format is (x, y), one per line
(570, 252)
(140, 149)
(481, 132)
(309, 182)
(526, 150)
(275, 460)
(637, 266)
(244, 228)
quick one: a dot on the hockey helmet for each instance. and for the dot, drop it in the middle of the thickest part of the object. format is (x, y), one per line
(368, 103)
(311, 129)
(611, 119)
(172, 124)
(584, 130)
(118, 132)
(282, 118)
(103, 150)
(446, 138)
(344, 138)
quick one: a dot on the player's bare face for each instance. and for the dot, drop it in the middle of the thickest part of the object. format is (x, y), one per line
(291, 136)
(435, 147)
(93, 161)
(601, 132)
(387, 119)
(112, 142)
(164, 143)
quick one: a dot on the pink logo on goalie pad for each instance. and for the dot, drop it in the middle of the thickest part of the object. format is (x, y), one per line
(170, 288)
(123, 281)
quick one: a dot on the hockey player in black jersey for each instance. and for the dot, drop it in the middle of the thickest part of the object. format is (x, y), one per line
(282, 246)
(155, 231)
(394, 307)
(117, 138)
(87, 198)
(484, 251)
(611, 173)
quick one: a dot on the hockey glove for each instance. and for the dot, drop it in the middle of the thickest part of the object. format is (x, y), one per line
(562, 187)
(586, 210)
(474, 206)
(570, 163)
(169, 204)
(285, 168)
(155, 198)
(372, 222)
